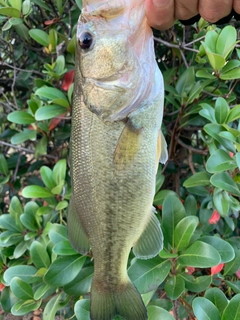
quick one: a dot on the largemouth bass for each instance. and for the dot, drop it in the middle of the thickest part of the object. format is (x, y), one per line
(116, 144)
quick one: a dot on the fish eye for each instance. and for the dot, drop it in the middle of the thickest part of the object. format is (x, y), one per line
(85, 40)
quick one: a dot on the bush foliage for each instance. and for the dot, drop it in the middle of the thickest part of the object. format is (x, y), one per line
(197, 192)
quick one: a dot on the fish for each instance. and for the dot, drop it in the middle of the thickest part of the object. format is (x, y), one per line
(116, 146)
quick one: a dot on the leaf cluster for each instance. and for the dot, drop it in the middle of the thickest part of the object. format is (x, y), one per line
(38, 267)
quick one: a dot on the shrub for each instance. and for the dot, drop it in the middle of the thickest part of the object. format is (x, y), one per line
(197, 192)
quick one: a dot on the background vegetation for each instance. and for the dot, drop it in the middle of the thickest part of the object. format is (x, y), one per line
(197, 274)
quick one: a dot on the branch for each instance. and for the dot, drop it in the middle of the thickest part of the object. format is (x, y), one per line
(26, 150)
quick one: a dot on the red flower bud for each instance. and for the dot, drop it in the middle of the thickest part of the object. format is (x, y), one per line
(216, 269)
(215, 217)
(67, 80)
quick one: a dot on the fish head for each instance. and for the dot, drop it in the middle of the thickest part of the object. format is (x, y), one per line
(113, 43)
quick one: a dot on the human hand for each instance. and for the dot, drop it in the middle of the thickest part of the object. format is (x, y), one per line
(161, 14)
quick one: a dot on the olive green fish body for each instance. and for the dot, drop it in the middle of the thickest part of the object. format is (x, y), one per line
(115, 148)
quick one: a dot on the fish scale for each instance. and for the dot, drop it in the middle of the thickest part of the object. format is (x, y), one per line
(114, 162)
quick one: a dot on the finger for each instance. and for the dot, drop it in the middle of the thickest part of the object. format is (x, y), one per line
(185, 10)
(236, 6)
(211, 11)
(160, 13)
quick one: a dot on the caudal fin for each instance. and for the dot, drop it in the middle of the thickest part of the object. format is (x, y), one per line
(126, 302)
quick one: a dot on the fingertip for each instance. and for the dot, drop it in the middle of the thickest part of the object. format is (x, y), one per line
(160, 14)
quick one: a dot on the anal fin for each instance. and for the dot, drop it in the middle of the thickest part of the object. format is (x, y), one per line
(150, 242)
(128, 145)
(77, 236)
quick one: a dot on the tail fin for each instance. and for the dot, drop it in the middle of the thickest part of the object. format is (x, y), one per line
(126, 302)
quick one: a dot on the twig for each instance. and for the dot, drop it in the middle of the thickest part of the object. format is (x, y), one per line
(192, 149)
(19, 69)
(26, 150)
(177, 46)
(190, 162)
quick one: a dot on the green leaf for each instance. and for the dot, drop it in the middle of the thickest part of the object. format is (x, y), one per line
(221, 110)
(220, 161)
(148, 275)
(47, 177)
(204, 309)
(190, 205)
(36, 192)
(234, 285)
(207, 112)
(26, 273)
(26, 134)
(213, 130)
(21, 289)
(162, 195)
(39, 255)
(63, 248)
(205, 74)
(198, 179)
(59, 171)
(49, 112)
(226, 41)
(230, 75)
(54, 304)
(10, 12)
(232, 310)
(224, 249)
(231, 267)
(42, 4)
(172, 212)
(79, 4)
(8, 222)
(20, 249)
(81, 284)
(26, 7)
(39, 36)
(8, 299)
(155, 312)
(174, 287)
(200, 255)
(29, 218)
(25, 306)
(58, 233)
(234, 114)
(184, 231)
(82, 309)
(198, 284)
(238, 159)
(51, 93)
(221, 202)
(223, 181)
(17, 4)
(216, 61)
(64, 270)
(41, 291)
(186, 81)
(3, 165)
(62, 205)
(217, 297)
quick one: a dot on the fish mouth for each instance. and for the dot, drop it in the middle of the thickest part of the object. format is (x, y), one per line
(123, 75)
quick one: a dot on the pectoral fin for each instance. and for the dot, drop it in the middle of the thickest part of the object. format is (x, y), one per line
(162, 153)
(77, 236)
(150, 242)
(128, 145)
